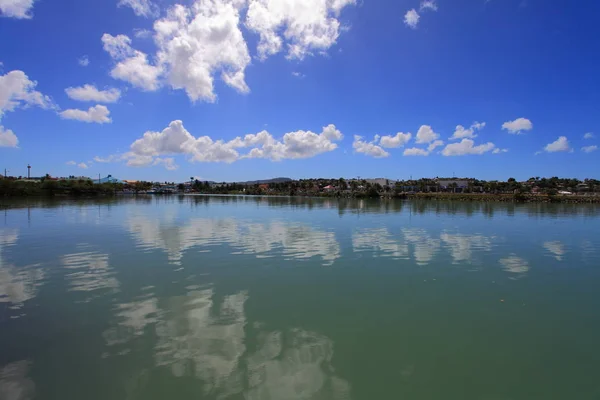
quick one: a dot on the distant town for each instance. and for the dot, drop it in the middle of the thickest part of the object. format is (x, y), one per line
(533, 189)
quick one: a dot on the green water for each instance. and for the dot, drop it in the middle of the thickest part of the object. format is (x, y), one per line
(274, 298)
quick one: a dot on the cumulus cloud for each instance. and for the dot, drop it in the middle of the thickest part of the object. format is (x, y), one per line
(98, 114)
(589, 149)
(298, 74)
(560, 144)
(302, 26)
(435, 144)
(175, 139)
(131, 65)
(84, 61)
(518, 126)
(588, 135)
(411, 18)
(395, 141)
(168, 163)
(91, 93)
(8, 138)
(71, 163)
(82, 165)
(142, 33)
(426, 135)
(141, 8)
(20, 9)
(467, 147)
(467, 133)
(499, 151)
(18, 91)
(368, 148)
(415, 151)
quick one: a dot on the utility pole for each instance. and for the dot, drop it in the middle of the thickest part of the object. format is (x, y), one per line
(5, 173)
(98, 178)
(28, 171)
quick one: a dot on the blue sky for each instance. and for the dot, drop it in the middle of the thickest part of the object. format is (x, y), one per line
(265, 88)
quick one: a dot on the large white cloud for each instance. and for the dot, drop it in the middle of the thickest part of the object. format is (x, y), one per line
(560, 144)
(369, 148)
(175, 139)
(16, 8)
(518, 126)
(426, 135)
(304, 26)
(91, 93)
(98, 114)
(395, 141)
(17, 90)
(467, 147)
(467, 133)
(8, 138)
(141, 8)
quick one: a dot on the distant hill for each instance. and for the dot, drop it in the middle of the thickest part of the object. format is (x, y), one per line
(265, 181)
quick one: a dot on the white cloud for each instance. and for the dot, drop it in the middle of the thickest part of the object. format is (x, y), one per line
(588, 135)
(298, 74)
(168, 163)
(463, 133)
(8, 138)
(428, 5)
(499, 151)
(17, 91)
(142, 33)
(415, 151)
(71, 163)
(395, 141)
(20, 9)
(560, 144)
(98, 114)
(426, 135)
(467, 147)
(368, 148)
(518, 126)
(175, 139)
(141, 8)
(435, 144)
(305, 26)
(106, 159)
(411, 18)
(132, 65)
(84, 61)
(90, 93)
(82, 165)
(589, 149)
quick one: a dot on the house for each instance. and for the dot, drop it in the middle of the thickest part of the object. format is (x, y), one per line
(329, 188)
(453, 183)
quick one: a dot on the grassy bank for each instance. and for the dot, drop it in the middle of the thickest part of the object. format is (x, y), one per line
(518, 198)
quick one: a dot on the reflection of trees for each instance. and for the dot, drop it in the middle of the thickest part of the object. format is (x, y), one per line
(294, 240)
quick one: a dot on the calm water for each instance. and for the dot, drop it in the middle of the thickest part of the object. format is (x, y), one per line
(274, 298)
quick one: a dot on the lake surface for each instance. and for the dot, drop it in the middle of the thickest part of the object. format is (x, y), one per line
(197, 297)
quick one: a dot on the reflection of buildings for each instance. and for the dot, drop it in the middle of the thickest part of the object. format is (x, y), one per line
(293, 240)
(14, 382)
(17, 284)
(91, 271)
